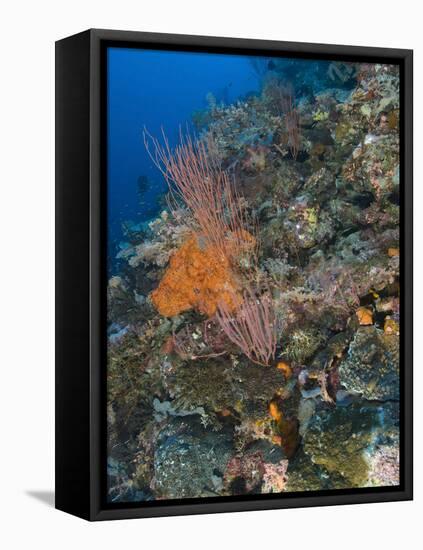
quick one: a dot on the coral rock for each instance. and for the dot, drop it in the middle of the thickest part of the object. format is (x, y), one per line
(337, 440)
(390, 326)
(274, 477)
(371, 366)
(188, 459)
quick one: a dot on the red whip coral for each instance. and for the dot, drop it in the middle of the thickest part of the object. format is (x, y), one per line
(252, 327)
(197, 278)
(207, 191)
(292, 123)
(282, 98)
(201, 274)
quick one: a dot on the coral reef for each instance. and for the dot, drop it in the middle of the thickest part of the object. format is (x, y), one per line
(253, 324)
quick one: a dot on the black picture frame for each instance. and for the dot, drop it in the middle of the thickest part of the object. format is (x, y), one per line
(81, 273)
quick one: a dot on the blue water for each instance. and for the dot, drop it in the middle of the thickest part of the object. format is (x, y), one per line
(158, 89)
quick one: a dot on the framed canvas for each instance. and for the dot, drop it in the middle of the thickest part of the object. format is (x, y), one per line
(234, 226)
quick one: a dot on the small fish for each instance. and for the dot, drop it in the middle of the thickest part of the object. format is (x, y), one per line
(143, 184)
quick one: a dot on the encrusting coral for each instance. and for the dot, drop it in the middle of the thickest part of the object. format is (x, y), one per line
(197, 278)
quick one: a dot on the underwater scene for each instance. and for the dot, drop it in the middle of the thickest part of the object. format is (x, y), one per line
(253, 275)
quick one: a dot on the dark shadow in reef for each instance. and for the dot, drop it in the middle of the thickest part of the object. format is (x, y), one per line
(46, 497)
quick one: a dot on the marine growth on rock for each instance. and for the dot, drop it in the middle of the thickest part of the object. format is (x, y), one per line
(253, 304)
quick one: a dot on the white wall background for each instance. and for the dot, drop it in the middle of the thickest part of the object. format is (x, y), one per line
(28, 31)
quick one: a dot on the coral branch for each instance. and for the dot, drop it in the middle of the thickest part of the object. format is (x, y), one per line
(292, 123)
(197, 180)
(283, 103)
(253, 327)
